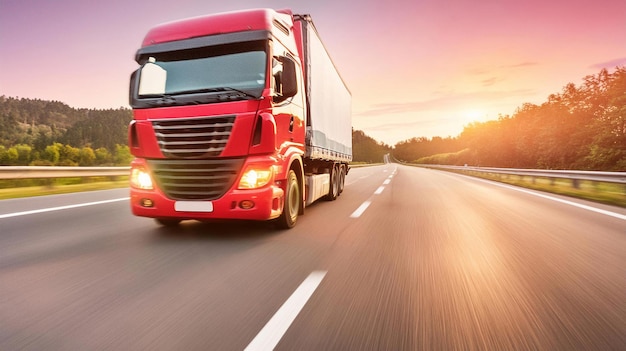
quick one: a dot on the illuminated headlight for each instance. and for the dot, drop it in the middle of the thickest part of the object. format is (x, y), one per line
(256, 177)
(141, 179)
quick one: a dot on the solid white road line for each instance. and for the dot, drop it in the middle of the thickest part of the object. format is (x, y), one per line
(24, 213)
(275, 329)
(571, 203)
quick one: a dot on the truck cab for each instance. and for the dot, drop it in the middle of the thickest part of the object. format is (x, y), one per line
(220, 120)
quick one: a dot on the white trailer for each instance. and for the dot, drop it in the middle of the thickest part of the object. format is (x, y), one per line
(328, 119)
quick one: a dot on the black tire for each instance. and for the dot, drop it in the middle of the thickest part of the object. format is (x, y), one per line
(292, 203)
(168, 222)
(342, 178)
(333, 190)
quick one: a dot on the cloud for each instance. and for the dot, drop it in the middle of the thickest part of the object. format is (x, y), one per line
(442, 102)
(415, 124)
(497, 74)
(491, 81)
(522, 64)
(610, 64)
(488, 70)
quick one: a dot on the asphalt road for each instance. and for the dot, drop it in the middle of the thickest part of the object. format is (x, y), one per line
(405, 259)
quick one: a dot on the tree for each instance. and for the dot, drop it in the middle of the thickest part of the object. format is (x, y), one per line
(86, 156)
(3, 155)
(52, 153)
(417, 148)
(122, 155)
(367, 149)
(103, 156)
(23, 154)
(11, 156)
(69, 155)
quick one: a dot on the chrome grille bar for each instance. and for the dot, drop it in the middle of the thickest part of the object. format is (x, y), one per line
(193, 138)
(195, 179)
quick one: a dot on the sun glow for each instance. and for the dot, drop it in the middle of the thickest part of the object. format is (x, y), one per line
(473, 115)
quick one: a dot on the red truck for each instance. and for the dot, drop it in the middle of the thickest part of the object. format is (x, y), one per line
(238, 115)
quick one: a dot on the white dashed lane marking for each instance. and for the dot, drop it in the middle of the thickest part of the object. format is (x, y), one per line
(359, 211)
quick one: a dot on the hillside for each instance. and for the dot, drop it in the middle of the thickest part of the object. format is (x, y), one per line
(40, 123)
(34, 131)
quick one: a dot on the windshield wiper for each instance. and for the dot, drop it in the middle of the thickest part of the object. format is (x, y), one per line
(244, 93)
(240, 93)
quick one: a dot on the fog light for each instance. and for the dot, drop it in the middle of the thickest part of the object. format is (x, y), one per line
(246, 204)
(147, 203)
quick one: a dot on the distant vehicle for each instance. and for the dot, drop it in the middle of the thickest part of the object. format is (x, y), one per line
(239, 115)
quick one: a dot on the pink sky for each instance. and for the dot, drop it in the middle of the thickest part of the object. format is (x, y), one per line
(415, 68)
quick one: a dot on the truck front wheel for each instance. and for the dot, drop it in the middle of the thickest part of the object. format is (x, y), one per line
(291, 205)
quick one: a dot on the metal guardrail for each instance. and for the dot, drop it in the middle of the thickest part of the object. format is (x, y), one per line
(43, 172)
(575, 176)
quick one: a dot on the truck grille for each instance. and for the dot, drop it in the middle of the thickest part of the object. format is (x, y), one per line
(195, 179)
(193, 137)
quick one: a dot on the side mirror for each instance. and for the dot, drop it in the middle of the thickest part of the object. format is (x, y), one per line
(153, 78)
(287, 80)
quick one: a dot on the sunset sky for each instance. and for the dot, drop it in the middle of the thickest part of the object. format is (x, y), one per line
(415, 67)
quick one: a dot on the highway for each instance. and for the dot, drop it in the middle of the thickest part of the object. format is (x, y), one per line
(405, 259)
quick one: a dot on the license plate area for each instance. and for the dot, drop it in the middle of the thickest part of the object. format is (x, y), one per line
(193, 206)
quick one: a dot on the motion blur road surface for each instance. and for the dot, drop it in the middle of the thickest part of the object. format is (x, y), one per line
(405, 259)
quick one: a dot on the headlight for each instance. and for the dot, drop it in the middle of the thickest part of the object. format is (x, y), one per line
(141, 179)
(256, 177)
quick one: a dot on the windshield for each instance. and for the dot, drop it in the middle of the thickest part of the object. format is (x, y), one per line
(239, 69)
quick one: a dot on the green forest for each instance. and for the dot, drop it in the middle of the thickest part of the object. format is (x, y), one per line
(45, 133)
(583, 127)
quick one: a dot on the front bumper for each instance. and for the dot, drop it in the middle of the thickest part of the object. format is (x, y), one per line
(268, 204)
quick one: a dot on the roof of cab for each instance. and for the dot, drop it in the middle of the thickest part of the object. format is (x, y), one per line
(221, 23)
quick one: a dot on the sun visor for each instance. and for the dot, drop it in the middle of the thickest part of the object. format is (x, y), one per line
(200, 42)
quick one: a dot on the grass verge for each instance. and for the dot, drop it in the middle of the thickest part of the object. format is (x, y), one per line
(606, 193)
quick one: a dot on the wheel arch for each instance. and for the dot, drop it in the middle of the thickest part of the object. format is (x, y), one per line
(297, 165)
